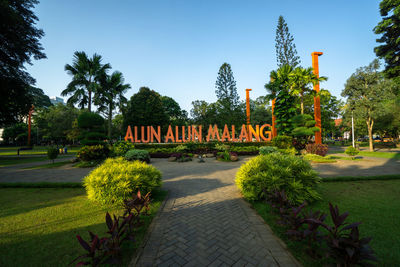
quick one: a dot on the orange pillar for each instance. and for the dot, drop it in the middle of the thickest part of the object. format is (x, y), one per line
(29, 125)
(248, 106)
(317, 105)
(274, 130)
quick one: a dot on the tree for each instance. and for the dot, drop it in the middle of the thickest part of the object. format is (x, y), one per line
(228, 98)
(86, 73)
(39, 99)
(110, 94)
(56, 122)
(286, 53)
(19, 43)
(176, 116)
(16, 134)
(367, 90)
(204, 113)
(145, 108)
(389, 27)
(301, 81)
(285, 103)
(260, 111)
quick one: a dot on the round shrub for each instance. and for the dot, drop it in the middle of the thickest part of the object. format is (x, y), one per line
(138, 154)
(90, 120)
(351, 151)
(52, 153)
(121, 147)
(282, 142)
(266, 174)
(90, 153)
(265, 150)
(117, 179)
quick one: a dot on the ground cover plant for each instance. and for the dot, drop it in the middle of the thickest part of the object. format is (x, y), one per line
(121, 147)
(41, 224)
(117, 179)
(371, 202)
(93, 153)
(265, 174)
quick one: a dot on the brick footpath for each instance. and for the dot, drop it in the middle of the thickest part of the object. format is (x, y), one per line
(206, 223)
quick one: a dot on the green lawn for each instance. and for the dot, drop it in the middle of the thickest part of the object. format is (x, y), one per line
(386, 155)
(38, 225)
(6, 161)
(50, 165)
(374, 203)
(37, 150)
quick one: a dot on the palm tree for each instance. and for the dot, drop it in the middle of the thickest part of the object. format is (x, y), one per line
(110, 94)
(85, 74)
(300, 80)
(279, 80)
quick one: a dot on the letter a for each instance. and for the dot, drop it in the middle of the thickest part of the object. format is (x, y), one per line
(129, 134)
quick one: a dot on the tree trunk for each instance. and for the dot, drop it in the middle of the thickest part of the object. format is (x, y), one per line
(109, 122)
(370, 125)
(90, 101)
(301, 104)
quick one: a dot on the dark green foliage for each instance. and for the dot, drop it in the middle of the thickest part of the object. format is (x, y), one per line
(90, 120)
(282, 141)
(145, 108)
(52, 153)
(303, 130)
(107, 250)
(286, 53)
(318, 149)
(92, 128)
(260, 111)
(138, 154)
(265, 150)
(263, 175)
(16, 134)
(176, 116)
(121, 147)
(385, 145)
(93, 152)
(19, 41)
(389, 28)
(39, 99)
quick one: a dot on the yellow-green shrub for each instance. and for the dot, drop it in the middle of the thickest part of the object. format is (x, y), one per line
(266, 174)
(116, 179)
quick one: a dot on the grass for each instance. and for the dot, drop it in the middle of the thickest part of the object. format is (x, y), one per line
(6, 161)
(386, 155)
(361, 178)
(375, 203)
(50, 165)
(327, 159)
(37, 150)
(38, 226)
(88, 164)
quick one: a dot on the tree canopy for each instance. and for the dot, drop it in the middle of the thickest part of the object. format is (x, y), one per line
(19, 44)
(286, 53)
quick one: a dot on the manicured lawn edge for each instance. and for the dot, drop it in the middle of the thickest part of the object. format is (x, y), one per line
(361, 178)
(41, 185)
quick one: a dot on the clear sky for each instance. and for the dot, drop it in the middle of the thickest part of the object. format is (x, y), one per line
(177, 47)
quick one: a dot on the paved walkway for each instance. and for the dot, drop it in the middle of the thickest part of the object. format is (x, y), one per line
(205, 222)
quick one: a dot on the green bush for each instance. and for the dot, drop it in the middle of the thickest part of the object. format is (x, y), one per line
(288, 151)
(264, 150)
(90, 120)
(266, 174)
(52, 153)
(93, 153)
(351, 151)
(138, 154)
(180, 148)
(121, 147)
(282, 142)
(116, 179)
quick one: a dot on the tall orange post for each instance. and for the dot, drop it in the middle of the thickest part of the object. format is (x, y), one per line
(317, 105)
(248, 106)
(274, 130)
(29, 125)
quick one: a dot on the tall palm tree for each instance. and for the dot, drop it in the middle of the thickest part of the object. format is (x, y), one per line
(301, 80)
(85, 74)
(279, 80)
(110, 95)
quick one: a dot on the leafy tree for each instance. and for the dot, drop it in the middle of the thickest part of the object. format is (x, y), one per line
(118, 124)
(286, 53)
(56, 122)
(367, 90)
(110, 95)
(176, 115)
(86, 73)
(91, 127)
(145, 108)
(303, 129)
(389, 27)
(260, 111)
(301, 81)
(39, 99)
(19, 43)
(285, 104)
(228, 99)
(16, 134)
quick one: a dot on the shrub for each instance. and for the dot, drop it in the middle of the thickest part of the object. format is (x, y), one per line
(93, 153)
(351, 151)
(282, 142)
(265, 150)
(264, 175)
(318, 149)
(121, 147)
(138, 154)
(117, 179)
(318, 159)
(52, 153)
(222, 147)
(224, 156)
(90, 120)
(180, 148)
(288, 151)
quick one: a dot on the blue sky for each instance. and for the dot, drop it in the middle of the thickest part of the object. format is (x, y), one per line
(177, 47)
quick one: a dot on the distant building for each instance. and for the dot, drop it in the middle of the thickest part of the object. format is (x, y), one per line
(55, 100)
